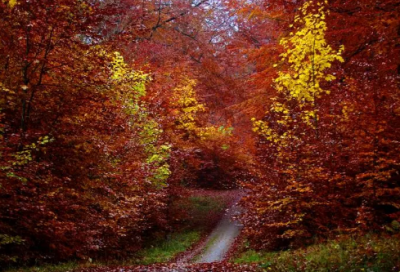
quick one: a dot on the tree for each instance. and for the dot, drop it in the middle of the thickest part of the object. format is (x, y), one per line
(315, 157)
(83, 162)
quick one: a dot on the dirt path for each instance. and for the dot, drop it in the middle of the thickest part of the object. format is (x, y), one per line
(221, 238)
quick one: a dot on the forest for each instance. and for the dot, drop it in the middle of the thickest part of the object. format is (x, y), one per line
(126, 123)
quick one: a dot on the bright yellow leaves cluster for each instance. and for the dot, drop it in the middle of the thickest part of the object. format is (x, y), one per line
(11, 3)
(308, 56)
(132, 84)
(213, 133)
(130, 87)
(157, 154)
(185, 100)
(269, 133)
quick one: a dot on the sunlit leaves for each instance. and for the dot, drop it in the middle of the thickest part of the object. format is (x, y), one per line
(186, 102)
(308, 55)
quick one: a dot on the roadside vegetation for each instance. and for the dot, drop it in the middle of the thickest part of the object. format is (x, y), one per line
(374, 253)
(165, 250)
(203, 210)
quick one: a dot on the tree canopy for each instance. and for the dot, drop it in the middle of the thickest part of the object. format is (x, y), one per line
(109, 108)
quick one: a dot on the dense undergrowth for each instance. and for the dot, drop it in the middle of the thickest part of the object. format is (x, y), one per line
(203, 210)
(374, 253)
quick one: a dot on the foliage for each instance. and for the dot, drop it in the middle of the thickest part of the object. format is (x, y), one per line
(83, 161)
(308, 55)
(366, 253)
(187, 105)
(204, 148)
(69, 266)
(204, 267)
(109, 109)
(323, 171)
(131, 87)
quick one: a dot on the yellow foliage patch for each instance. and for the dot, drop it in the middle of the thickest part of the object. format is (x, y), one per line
(308, 55)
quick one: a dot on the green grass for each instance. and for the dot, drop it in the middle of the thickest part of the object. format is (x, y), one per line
(167, 250)
(370, 253)
(201, 209)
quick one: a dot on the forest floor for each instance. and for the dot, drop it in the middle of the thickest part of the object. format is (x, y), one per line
(211, 242)
(219, 241)
(207, 235)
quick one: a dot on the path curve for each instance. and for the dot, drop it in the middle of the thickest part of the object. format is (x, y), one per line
(222, 237)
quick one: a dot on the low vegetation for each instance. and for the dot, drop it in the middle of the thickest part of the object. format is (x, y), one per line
(203, 209)
(367, 253)
(162, 251)
(165, 251)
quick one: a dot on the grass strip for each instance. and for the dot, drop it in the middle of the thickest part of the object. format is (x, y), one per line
(371, 253)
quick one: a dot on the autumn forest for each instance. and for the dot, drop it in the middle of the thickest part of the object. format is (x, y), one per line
(118, 118)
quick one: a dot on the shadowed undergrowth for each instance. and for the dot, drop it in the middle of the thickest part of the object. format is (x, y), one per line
(203, 209)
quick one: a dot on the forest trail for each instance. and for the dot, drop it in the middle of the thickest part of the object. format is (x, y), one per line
(222, 237)
(220, 240)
